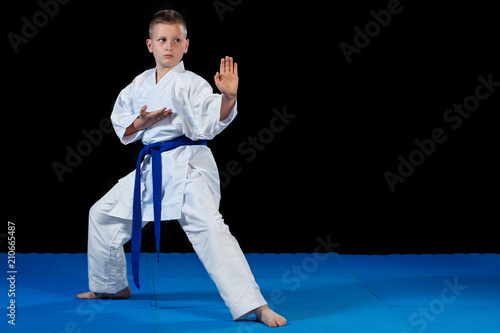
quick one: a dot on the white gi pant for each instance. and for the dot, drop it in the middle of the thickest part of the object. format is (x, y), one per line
(216, 248)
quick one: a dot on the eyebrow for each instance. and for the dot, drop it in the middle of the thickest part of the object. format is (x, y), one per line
(176, 36)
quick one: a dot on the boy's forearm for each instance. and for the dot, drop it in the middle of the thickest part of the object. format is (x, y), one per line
(132, 128)
(227, 105)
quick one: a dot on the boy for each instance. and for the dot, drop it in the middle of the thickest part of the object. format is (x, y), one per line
(178, 178)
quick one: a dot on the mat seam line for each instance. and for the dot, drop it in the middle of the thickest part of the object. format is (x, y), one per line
(153, 301)
(375, 293)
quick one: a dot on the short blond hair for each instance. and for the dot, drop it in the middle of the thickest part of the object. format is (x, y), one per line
(167, 16)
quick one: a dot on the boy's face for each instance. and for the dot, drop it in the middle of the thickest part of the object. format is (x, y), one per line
(168, 44)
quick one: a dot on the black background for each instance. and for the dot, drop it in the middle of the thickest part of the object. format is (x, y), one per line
(322, 176)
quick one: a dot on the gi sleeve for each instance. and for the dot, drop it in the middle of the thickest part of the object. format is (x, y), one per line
(123, 115)
(202, 122)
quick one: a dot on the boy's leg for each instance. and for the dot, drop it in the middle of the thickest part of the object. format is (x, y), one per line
(217, 249)
(107, 266)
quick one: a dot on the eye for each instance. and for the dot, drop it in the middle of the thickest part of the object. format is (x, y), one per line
(162, 40)
(177, 40)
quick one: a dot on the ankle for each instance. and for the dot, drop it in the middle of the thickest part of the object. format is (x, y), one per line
(260, 309)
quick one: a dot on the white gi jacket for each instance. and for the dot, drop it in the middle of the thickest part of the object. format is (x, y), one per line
(196, 112)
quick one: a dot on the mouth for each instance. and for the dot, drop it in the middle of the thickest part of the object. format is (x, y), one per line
(168, 55)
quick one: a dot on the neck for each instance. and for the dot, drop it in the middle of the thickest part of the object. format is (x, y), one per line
(161, 71)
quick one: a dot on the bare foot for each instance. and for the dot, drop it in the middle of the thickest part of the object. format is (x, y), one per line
(122, 294)
(267, 316)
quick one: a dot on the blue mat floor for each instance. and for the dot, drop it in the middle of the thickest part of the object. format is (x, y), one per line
(321, 292)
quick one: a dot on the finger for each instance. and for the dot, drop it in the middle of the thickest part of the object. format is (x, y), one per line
(231, 66)
(143, 109)
(226, 67)
(164, 114)
(156, 113)
(160, 111)
(221, 70)
(235, 69)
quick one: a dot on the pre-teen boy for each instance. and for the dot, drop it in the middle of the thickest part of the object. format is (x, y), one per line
(178, 178)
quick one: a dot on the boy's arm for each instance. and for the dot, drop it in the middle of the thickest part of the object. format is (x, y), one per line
(146, 119)
(227, 82)
(127, 124)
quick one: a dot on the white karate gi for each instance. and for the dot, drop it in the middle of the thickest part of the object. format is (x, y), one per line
(191, 191)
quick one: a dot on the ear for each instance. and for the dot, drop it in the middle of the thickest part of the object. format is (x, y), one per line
(187, 46)
(149, 45)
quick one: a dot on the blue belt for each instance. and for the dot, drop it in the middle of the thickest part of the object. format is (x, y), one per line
(155, 149)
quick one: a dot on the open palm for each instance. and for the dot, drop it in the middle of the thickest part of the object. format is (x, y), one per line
(226, 79)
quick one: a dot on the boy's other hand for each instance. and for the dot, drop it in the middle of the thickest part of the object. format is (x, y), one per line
(226, 79)
(147, 119)
(150, 118)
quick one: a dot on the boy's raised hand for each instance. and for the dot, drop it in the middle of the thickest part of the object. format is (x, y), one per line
(226, 79)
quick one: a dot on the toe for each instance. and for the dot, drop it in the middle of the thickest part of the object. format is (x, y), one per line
(87, 295)
(282, 321)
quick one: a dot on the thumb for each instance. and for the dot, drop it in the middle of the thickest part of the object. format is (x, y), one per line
(217, 76)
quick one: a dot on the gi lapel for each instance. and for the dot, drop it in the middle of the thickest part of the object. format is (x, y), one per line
(157, 94)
